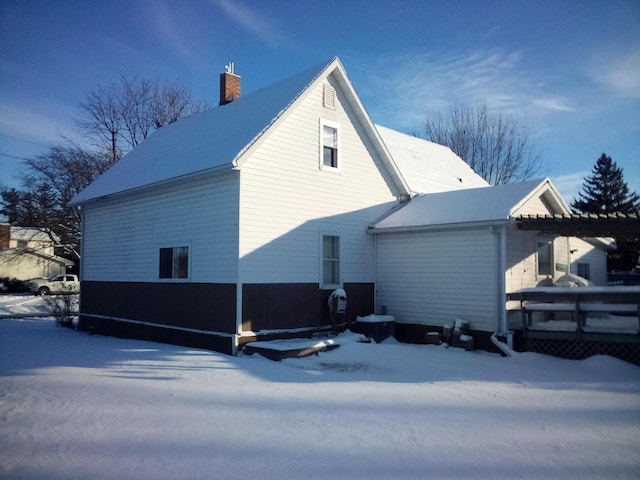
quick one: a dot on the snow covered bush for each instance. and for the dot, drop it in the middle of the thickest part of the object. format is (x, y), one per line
(64, 309)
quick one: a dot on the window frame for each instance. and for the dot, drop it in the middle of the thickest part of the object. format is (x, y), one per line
(175, 262)
(584, 270)
(336, 148)
(549, 263)
(335, 282)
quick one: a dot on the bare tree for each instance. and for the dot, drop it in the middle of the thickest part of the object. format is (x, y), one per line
(50, 181)
(497, 146)
(117, 117)
(101, 119)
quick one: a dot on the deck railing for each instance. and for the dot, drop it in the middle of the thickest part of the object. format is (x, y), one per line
(567, 311)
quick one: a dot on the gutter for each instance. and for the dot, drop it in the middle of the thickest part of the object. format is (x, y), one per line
(440, 226)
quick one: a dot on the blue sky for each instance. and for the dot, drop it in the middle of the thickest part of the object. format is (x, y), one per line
(571, 69)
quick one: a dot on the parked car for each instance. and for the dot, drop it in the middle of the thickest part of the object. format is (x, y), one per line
(60, 284)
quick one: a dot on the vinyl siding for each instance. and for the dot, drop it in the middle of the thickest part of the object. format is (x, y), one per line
(521, 260)
(595, 257)
(432, 278)
(122, 235)
(288, 202)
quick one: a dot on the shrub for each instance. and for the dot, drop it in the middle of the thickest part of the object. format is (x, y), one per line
(64, 308)
(13, 285)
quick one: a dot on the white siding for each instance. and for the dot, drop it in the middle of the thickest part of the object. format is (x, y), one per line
(288, 202)
(522, 258)
(534, 206)
(123, 235)
(595, 257)
(27, 266)
(434, 277)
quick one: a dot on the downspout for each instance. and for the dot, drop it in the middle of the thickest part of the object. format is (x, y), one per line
(238, 270)
(501, 332)
(81, 266)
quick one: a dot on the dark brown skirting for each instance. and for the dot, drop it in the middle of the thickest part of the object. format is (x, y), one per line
(152, 333)
(277, 306)
(201, 306)
(414, 333)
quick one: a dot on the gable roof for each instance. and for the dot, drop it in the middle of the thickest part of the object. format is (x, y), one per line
(218, 138)
(428, 167)
(497, 204)
(31, 235)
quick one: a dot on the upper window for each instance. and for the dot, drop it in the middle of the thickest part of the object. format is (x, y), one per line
(330, 146)
(545, 258)
(174, 262)
(330, 260)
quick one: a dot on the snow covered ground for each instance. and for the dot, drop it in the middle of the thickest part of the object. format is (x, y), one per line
(74, 406)
(22, 304)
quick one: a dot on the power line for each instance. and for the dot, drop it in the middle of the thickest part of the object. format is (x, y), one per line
(12, 156)
(23, 140)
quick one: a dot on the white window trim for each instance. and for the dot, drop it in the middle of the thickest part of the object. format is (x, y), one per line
(335, 125)
(330, 286)
(551, 245)
(189, 261)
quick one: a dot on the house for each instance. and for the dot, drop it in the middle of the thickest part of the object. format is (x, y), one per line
(27, 253)
(242, 219)
(464, 253)
(237, 223)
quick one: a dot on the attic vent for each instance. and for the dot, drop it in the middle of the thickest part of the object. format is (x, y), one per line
(329, 97)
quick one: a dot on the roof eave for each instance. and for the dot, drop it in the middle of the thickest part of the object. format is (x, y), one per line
(182, 178)
(441, 226)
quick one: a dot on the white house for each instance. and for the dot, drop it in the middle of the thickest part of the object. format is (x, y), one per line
(27, 253)
(463, 252)
(239, 222)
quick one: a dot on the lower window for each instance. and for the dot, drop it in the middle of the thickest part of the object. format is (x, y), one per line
(584, 271)
(330, 260)
(174, 262)
(545, 258)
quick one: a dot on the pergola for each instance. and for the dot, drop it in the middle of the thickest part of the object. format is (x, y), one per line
(583, 225)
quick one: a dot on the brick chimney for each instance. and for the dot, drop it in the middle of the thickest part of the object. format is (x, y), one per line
(229, 85)
(5, 235)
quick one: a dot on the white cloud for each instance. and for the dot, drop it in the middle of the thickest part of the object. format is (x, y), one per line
(618, 71)
(414, 84)
(570, 184)
(167, 30)
(553, 104)
(249, 19)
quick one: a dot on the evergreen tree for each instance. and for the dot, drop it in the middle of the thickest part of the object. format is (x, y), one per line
(605, 191)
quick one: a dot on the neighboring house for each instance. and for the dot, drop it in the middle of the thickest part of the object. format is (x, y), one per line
(238, 223)
(27, 253)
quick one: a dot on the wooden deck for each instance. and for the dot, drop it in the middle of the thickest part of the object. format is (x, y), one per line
(580, 313)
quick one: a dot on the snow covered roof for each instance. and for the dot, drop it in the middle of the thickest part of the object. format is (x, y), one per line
(470, 205)
(30, 234)
(209, 140)
(428, 167)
